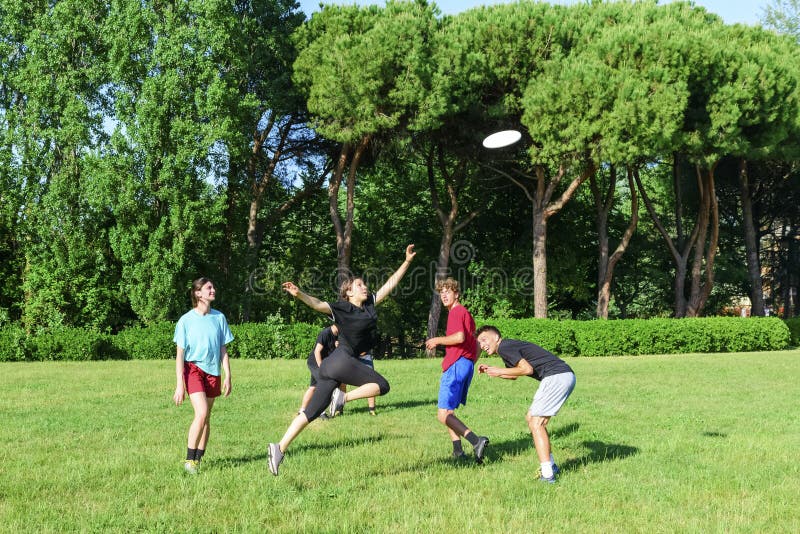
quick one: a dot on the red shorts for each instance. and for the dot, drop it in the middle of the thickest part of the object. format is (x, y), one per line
(198, 380)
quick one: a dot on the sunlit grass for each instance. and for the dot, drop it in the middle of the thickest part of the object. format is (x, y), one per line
(660, 443)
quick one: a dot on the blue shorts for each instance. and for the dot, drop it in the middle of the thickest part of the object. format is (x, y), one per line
(454, 385)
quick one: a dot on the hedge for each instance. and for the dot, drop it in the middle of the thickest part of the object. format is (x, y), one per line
(794, 329)
(649, 336)
(275, 339)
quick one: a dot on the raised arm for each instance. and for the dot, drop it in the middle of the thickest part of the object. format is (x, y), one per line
(312, 302)
(393, 280)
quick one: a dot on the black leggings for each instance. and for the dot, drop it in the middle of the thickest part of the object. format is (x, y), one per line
(341, 367)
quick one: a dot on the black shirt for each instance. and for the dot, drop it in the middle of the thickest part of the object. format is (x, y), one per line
(327, 339)
(544, 362)
(358, 326)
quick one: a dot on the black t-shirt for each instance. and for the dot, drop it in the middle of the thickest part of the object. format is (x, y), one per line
(544, 362)
(327, 339)
(358, 326)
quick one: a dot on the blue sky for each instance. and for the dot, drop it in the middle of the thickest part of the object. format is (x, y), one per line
(731, 11)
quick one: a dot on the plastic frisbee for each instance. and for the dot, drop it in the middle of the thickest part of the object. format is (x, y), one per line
(502, 139)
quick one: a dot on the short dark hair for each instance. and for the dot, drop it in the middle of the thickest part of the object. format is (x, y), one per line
(487, 328)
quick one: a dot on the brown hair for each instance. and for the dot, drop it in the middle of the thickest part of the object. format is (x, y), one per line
(197, 285)
(448, 283)
(347, 285)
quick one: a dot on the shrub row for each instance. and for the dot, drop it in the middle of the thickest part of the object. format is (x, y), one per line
(794, 329)
(566, 338)
(650, 336)
(253, 340)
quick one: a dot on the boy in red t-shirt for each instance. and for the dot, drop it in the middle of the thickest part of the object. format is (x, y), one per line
(461, 352)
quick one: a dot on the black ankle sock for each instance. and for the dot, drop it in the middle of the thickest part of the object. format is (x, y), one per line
(199, 454)
(191, 453)
(457, 446)
(472, 437)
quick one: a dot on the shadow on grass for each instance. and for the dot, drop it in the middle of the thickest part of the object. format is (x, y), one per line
(390, 406)
(599, 451)
(513, 447)
(326, 446)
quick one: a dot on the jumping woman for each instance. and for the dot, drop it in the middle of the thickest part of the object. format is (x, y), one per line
(357, 320)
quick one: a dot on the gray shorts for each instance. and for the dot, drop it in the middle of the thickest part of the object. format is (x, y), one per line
(551, 395)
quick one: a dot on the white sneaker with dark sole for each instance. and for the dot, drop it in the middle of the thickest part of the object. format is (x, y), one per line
(275, 457)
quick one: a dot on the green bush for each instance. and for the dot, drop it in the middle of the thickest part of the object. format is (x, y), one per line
(12, 343)
(273, 339)
(648, 336)
(152, 342)
(794, 329)
(556, 336)
(70, 344)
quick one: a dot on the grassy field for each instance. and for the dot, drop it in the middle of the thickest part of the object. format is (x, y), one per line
(693, 443)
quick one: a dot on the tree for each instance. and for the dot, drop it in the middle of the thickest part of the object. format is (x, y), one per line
(364, 71)
(783, 16)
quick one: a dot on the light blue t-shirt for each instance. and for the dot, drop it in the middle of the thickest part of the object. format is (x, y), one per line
(202, 338)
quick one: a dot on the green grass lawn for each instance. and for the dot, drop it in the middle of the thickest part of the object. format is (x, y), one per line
(692, 443)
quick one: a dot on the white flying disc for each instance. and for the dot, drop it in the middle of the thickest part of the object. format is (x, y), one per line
(502, 139)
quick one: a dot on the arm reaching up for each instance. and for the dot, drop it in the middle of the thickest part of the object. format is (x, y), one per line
(393, 280)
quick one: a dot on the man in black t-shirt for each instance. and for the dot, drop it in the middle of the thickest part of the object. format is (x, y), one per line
(557, 382)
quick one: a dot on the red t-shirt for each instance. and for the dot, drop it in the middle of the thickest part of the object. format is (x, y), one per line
(460, 320)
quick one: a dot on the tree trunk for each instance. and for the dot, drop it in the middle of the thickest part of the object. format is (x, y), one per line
(602, 208)
(751, 243)
(453, 182)
(539, 264)
(344, 232)
(539, 195)
(606, 264)
(708, 220)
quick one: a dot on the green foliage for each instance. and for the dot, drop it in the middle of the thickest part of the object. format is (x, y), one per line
(272, 339)
(70, 344)
(794, 328)
(648, 336)
(556, 336)
(12, 343)
(152, 342)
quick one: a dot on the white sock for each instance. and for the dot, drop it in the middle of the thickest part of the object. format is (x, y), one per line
(547, 469)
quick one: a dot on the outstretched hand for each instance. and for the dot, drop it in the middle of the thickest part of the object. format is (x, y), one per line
(410, 253)
(290, 288)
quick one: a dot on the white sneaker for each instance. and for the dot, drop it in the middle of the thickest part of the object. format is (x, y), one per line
(190, 466)
(337, 402)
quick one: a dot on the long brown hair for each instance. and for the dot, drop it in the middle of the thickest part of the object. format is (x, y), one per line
(197, 285)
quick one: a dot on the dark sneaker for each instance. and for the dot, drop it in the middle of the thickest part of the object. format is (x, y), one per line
(373, 412)
(480, 448)
(459, 455)
(275, 457)
(556, 470)
(337, 403)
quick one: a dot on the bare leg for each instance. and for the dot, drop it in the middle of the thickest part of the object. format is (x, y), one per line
(198, 430)
(538, 427)
(442, 416)
(295, 427)
(307, 397)
(367, 390)
(207, 428)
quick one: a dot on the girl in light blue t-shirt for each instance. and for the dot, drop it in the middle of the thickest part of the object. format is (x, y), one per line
(201, 335)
